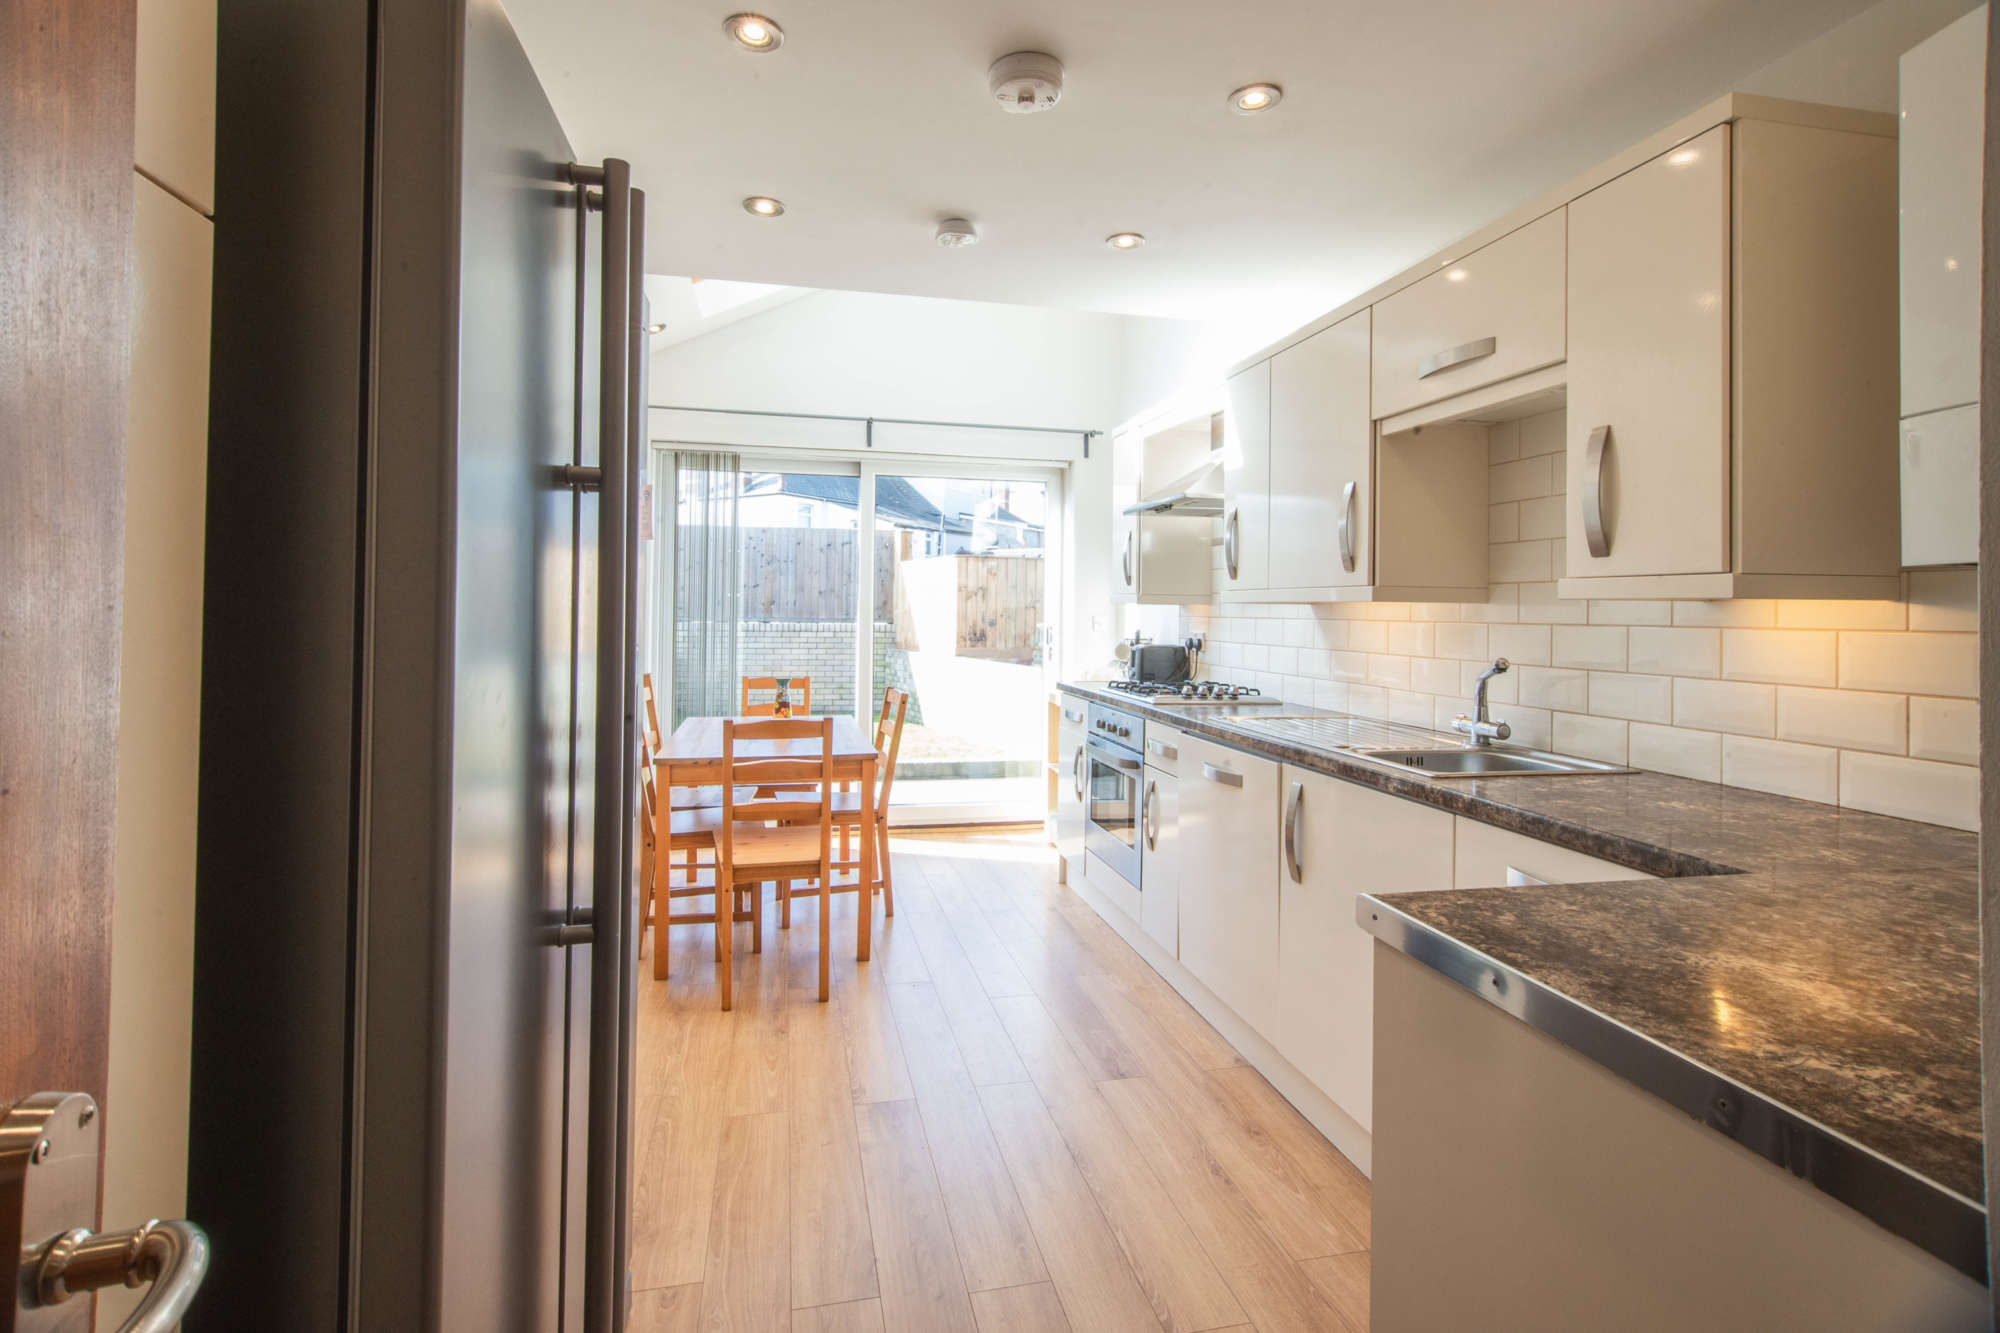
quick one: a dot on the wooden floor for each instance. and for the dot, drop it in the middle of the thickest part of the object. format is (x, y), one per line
(1005, 1122)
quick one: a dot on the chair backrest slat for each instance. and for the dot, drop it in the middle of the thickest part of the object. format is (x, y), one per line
(758, 770)
(799, 687)
(900, 699)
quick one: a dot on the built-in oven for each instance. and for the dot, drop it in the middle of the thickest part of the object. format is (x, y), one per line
(1116, 774)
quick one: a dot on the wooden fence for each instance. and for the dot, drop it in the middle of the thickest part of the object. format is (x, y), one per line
(806, 574)
(985, 606)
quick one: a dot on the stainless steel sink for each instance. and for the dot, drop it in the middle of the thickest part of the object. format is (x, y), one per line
(1484, 762)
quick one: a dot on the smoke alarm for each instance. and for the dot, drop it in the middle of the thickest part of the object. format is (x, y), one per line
(1026, 81)
(953, 233)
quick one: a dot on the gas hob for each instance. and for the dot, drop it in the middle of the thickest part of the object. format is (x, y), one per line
(1193, 692)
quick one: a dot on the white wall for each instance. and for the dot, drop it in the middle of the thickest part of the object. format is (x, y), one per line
(865, 354)
(1854, 64)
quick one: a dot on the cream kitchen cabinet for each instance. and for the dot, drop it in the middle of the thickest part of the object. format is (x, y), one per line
(1731, 395)
(1940, 170)
(1161, 558)
(1227, 833)
(1345, 517)
(1339, 840)
(1490, 858)
(1246, 481)
(1070, 780)
(1160, 849)
(1483, 317)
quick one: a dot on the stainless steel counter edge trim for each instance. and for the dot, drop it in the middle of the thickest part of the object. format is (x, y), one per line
(1937, 1220)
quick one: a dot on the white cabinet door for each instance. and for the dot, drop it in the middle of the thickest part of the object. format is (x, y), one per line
(1320, 483)
(1342, 840)
(1228, 836)
(1649, 403)
(1940, 146)
(1494, 314)
(1491, 858)
(1127, 457)
(1940, 493)
(1070, 780)
(1246, 480)
(1160, 859)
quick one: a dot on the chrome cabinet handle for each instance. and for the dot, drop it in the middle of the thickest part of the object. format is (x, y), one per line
(1126, 560)
(1294, 804)
(1076, 772)
(1071, 717)
(1149, 815)
(1162, 749)
(1229, 541)
(1594, 536)
(1347, 528)
(1221, 775)
(1456, 356)
(1518, 878)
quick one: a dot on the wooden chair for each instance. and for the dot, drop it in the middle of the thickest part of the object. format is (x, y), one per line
(800, 688)
(784, 839)
(847, 810)
(662, 882)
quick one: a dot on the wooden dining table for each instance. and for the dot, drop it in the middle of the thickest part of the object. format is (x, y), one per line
(692, 757)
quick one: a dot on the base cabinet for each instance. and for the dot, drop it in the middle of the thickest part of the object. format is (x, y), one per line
(1338, 841)
(1069, 785)
(1160, 859)
(1227, 832)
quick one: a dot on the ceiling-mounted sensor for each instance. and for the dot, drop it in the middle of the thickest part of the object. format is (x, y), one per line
(954, 233)
(1026, 81)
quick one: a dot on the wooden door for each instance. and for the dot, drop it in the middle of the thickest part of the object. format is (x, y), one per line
(1649, 303)
(1320, 433)
(65, 354)
(1246, 480)
(1349, 841)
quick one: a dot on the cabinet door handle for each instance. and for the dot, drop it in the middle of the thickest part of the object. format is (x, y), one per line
(1594, 536)
(1347, 528)
(1294, 860)
(1221, 775)
(1162, 749)
(1456, 356)
(1229, 541)
(1518, 878)
(1076, 772)
(1071, 717)
(1127, 558)
(1149, 816)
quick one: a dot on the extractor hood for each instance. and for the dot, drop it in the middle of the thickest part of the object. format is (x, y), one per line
(1196, 495)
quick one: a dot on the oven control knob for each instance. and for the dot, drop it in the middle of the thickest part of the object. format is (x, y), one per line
(1124, 731)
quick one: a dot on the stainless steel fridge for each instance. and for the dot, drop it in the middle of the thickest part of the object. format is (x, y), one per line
(415, 937)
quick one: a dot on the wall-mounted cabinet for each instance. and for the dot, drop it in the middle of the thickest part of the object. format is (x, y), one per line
(1161, 557)
(1940, 173)
(1317, 509)
(1487, 316)
(1731, 368)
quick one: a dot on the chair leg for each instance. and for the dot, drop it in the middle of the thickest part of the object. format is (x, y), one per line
(826, 931)
(725, 943)
(785, 904)
(846, 843)
(756, 918)
(888, 884)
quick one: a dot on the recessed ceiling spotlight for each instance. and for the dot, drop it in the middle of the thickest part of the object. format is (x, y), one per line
(1254, 97)
(1125, 240)
(956, 233)
(763, 205)
(754, 32)
(656, 328)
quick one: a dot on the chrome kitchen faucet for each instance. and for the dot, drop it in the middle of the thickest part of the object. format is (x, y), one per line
(1482, 729)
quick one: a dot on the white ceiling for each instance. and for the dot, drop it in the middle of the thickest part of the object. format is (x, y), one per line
(1404, 125)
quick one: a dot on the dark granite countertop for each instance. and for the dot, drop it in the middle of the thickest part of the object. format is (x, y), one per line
(1826, 960)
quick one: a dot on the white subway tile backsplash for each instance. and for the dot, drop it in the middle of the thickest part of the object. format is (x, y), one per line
(1781, 656)
(1503, 523)
(1640, 698)
(1911, 788)
(1913, 663)
(1410, 707)
(1368, 636)
(1556, 688)
(1518, 562)
(1523, 479)
(1591, 737)
(1500, 689)
(1413, 639)
(1748, 612)
(1842, 615)
(1631, 613)
(1434, 675)
(1461, 640)
(1502, 606)
(1544, 433)
(1944, 599)
(1687, 754)
(1600, 647)
(1540, 605)
(1541, 518)
(1532, 727)
(1527, 644)
(1368, 700)
(1675, 652)
(1503, 442)
(1726, 705)
(1946, 729)
(1848, 719)
(1810, 772)
(1386, 670)
(1350, 666)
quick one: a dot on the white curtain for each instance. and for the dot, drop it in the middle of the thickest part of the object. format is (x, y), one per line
(708, 583)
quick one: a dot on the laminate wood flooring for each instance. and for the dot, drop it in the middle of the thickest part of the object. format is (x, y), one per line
(1004, 1121)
